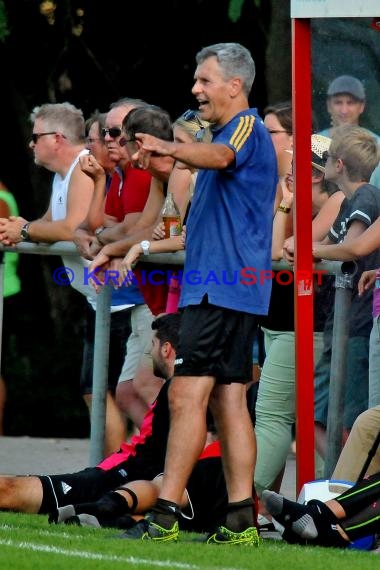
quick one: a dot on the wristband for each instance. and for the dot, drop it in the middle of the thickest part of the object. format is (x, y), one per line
(284, 209)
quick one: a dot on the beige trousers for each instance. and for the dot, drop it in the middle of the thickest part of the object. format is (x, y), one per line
(360, 441)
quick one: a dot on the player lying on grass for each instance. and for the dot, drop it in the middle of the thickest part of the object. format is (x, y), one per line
(140, 461)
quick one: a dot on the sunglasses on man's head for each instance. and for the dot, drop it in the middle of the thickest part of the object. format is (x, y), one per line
(113, 132)
(191, 115)
(36, 136)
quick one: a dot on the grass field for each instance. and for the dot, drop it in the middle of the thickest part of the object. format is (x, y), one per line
(29, 542)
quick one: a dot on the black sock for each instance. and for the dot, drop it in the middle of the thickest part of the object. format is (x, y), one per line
(292, 538)
(165, 513)
(320, 526)
(240, 515)
(108, 507)
(284, 511)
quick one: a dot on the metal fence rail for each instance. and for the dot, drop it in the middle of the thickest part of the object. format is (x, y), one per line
(342, 271)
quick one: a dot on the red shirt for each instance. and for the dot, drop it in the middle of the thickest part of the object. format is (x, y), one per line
(128, 196)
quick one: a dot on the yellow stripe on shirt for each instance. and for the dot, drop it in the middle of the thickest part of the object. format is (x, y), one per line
(242, 131)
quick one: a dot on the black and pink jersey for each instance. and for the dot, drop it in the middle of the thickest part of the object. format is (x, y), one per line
(143, 457)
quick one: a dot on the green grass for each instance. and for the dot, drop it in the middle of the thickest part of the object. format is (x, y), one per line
(29, 542)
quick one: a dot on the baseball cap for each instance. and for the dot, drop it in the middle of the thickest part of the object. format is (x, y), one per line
(319, 147)
(347, 84)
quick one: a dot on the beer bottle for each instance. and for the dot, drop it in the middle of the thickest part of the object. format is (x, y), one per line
(171, 217)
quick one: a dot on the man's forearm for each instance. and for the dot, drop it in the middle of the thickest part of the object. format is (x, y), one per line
(50, 232)
(121, 247)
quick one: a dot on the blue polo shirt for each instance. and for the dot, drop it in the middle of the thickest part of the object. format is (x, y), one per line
(229, 229)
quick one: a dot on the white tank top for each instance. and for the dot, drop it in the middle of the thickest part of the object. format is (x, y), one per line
(75, 264)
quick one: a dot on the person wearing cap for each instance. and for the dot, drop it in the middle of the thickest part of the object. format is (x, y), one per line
(346, 102)
(275, 406)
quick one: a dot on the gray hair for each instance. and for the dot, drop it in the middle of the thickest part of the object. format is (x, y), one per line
(63, 118)
(128, 102)
(235, 61)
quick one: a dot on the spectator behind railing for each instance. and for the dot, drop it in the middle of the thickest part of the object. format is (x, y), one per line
(351, 159)
(121, 202)
(126, 208)
(348, 250)
(57, 142)
(346, 102)
(276, 400)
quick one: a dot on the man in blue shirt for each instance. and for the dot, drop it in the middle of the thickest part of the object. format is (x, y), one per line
(228, 249)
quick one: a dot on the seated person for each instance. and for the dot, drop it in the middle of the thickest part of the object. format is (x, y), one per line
(202, 506)
(360, 455)
(338, 522)
(142, 457)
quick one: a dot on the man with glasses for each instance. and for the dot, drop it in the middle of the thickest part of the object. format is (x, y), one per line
(120, 318)
(58, 142)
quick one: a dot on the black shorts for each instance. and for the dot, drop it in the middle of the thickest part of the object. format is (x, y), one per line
(215, 341)
(81, 487)
(208, 496)
(120, 329)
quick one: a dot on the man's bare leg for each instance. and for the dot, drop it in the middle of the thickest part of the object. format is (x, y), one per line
(20, 494)
(228, 403)
(188, 398)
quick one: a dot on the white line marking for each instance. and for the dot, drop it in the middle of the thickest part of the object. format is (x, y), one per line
(94, 556)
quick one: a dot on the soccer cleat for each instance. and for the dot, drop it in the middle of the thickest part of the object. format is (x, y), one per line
(222, 535)
(148, 530)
